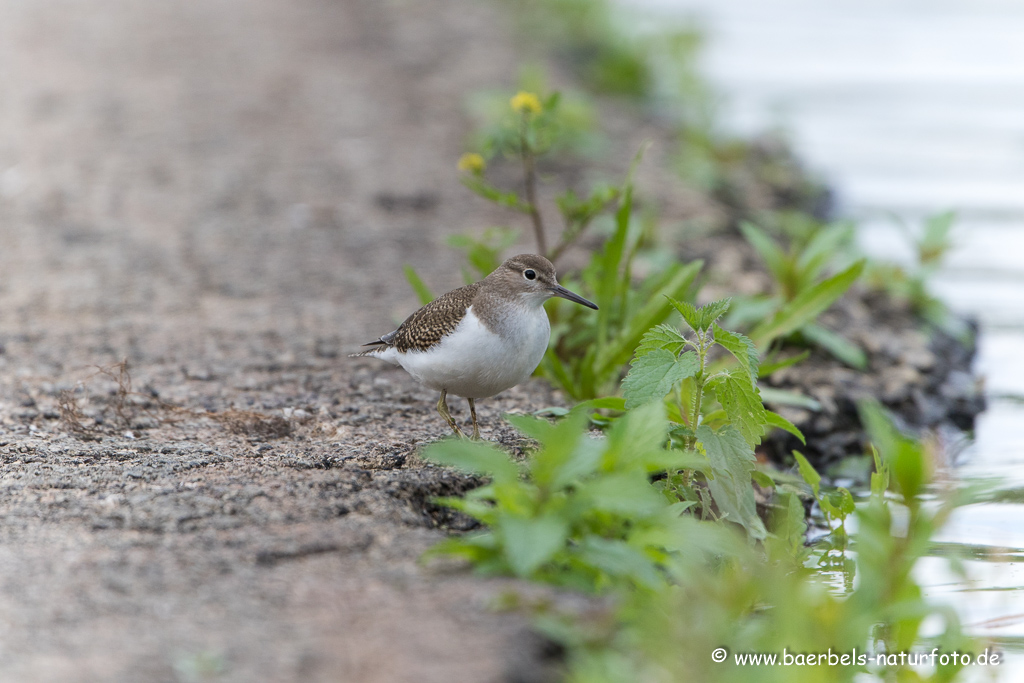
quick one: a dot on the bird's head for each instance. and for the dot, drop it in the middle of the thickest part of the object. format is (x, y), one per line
(533, 277)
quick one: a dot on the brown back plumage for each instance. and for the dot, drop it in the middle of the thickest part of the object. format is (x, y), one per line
(522, 277)
(430, 324)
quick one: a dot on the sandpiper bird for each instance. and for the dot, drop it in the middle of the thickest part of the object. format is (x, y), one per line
(481, 339)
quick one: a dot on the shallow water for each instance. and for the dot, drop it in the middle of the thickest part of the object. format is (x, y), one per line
(908, 108)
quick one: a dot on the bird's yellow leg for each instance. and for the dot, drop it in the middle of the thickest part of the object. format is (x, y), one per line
(476, 428)
(442, 408)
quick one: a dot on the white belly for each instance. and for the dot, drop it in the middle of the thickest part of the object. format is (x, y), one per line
(474, 362)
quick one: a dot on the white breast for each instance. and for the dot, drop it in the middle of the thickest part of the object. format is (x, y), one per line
(474, 362)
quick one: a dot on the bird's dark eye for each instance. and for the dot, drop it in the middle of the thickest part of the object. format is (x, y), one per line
(529, 274)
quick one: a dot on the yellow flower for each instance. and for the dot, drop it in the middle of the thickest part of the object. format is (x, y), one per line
(526, 103)
(472, 162)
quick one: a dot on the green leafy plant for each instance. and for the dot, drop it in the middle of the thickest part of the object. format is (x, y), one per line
(910, 284)
(659, 514)
(836, 506)
(588, 352)
(715, 409)
(582, 512)
(529, 129)
(797, 271)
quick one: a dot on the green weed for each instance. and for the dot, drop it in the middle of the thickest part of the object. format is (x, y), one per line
(910, 284)
(580, 511)
(796, 272)
(583, 512)
(588, 352)
(714, 409)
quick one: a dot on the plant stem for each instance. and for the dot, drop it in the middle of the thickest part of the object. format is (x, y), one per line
(567, 239)
(698, 387)
(530, 173)
(574, 229)
(693, 416)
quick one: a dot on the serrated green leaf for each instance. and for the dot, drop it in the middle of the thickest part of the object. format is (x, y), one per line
(742, 348)
(565, 453)
(742, 404)
(776, 420)
(689, 312)
(762, 479)
(808, 472)
(637, 440)
(839, 504)
(474, 457)
(626, 493)
(682, 431)
(530, 542)
(661, 337)
(732, 462)
(654, 374)
(712, 311)
(845, 502)
(807, 305)
(618, 559)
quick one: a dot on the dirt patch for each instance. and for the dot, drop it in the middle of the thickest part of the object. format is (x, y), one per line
(224, 194)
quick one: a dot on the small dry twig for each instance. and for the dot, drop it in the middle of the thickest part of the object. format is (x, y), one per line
(118, 372)
(70, 415)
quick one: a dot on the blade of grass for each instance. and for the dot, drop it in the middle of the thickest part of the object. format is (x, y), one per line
(418, 285)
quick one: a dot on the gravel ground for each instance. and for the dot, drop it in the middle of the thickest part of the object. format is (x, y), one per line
(223, 193)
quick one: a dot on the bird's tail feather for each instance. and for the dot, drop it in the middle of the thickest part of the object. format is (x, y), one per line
(368, 352)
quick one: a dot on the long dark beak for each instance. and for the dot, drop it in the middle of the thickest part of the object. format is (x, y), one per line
(559, 290)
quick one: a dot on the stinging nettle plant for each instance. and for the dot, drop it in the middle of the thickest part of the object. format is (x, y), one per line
(581, 512)
(678, 369)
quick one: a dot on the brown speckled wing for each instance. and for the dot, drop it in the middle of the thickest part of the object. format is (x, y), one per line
(430, 324)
